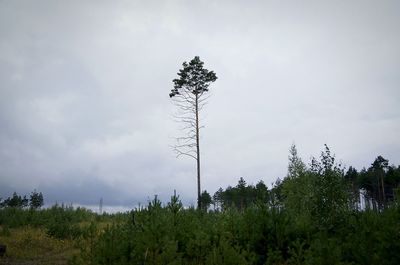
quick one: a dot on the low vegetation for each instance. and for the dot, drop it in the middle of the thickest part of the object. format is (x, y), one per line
(312, 216)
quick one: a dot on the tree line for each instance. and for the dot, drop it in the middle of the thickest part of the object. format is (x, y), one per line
(312, 216)
(309, 217)
(373, 187)
(377, 184)
(35, 201)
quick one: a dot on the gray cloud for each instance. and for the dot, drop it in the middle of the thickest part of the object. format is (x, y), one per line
(84, 108)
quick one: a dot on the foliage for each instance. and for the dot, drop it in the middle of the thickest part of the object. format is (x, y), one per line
(59, 221)
(307, 218)
(205, 200)
(34, 246)
(378, 183)
(17, 201)
(193, 77)
(241, 196)
(36, 200)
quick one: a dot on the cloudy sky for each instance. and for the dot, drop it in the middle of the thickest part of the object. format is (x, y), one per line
(85, 112)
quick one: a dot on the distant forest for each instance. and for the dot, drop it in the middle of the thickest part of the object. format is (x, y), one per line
(319, 213)
(373, 187)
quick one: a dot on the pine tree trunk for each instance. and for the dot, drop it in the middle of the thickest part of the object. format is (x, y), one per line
(198, 152)
(383, 191)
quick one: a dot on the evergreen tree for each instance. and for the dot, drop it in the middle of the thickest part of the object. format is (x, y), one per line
(261, 192)
(16, 201)
(217, 199)
(205, 200)
(379, 167)
(189, 95)
(36, 200)
(351, 178)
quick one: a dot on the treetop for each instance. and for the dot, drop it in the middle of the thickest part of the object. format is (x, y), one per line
(193, 77)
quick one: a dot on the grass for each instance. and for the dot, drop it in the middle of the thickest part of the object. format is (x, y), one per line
(27, 245)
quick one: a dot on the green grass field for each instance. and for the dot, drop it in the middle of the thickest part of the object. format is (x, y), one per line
(28, 245)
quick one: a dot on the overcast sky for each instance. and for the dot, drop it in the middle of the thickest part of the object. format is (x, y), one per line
(85, 112)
